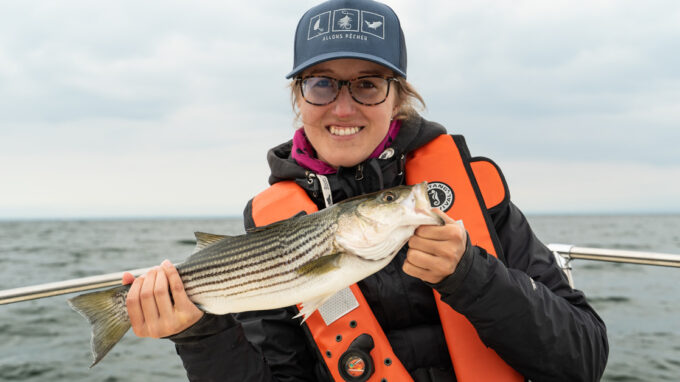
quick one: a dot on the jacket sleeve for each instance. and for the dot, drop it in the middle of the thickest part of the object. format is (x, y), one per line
(216, 349)
(220, 348)
(526, 311)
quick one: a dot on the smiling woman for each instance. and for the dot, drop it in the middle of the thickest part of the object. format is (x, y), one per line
(343, 131)
(477, 298)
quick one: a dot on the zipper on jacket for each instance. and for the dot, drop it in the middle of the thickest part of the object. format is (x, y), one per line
(402, 165)
(310, 180)
(359, 174)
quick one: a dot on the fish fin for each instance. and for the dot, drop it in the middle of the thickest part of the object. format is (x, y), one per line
(205, 240)
(106, 312)
(310, 306)
(323, 264)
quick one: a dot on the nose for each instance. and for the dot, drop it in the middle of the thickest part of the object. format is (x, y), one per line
(344, 105)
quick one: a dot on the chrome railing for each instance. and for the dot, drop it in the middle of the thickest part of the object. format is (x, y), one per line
(564, 254)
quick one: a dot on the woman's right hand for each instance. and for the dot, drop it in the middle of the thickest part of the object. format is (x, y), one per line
(158, 305)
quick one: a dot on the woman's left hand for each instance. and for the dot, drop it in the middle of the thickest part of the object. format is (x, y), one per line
(434, 251)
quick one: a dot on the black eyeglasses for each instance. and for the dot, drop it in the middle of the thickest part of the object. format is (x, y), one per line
(366, 90)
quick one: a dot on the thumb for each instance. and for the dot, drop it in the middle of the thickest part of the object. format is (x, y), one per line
(447, 218)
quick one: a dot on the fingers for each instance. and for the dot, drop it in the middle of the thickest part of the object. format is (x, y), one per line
(134, 308)
(186, 312)
(151, 308)
(435, 251)
(179, 295)
(452, 230)
(447, 218)
(148, 300)
(416, 271)
(161, 294)
(128, 278)
(428, 267)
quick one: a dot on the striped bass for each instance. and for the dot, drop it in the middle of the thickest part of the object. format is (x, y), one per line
(305, 259)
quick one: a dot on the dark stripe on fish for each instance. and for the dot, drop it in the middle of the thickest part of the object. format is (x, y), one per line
(217, 278)
(284, 253)
(207, 261)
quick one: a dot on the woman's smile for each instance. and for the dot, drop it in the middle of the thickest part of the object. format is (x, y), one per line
(344, 131)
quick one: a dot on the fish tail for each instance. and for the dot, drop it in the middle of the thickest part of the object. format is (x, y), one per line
(106, 312)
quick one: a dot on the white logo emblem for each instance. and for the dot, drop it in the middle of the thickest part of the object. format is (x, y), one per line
(346, 20)
(319, 25)
(374, 24)
(441, 195)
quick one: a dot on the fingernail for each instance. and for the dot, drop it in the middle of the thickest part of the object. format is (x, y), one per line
(166, 263)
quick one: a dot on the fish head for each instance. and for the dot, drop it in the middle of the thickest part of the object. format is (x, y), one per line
(376, 226)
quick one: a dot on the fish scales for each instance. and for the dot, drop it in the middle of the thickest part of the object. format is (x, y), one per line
(270, 248)
(284, 253)
(304, 259)
(276, 274)
(231, 251)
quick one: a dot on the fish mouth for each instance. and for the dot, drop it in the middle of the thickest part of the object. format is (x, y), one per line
(420, 203)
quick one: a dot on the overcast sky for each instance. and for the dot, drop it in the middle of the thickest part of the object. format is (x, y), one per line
(167, 108)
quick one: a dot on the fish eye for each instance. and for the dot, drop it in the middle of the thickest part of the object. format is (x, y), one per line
(389, 196)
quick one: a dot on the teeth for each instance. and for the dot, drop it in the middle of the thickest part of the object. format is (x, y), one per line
(335, 130)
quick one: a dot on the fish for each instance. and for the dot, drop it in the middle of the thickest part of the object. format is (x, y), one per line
(303, 260)
(374, 25)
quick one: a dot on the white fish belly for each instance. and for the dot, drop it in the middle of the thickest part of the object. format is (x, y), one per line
(301, 289)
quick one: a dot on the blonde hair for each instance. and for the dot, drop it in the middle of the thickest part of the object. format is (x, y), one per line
(409, 101)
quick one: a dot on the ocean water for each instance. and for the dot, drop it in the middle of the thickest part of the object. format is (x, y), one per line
(44, 340)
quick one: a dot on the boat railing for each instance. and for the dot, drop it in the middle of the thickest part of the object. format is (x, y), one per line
(564, 254)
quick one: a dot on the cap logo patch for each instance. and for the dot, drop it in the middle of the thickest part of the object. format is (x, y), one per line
(373, 24)
(441, 195)
(346, 20)
(346, 23)
(319, 25)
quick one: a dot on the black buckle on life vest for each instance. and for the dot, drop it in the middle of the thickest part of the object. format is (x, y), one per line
(356, 364)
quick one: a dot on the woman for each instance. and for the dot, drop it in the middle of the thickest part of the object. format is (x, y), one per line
(360, 134)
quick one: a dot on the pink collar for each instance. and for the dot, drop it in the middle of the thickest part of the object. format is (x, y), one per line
(305, 155)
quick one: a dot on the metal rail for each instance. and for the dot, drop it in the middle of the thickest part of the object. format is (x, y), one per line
(9, 296)
(564, 253)
(570, 252)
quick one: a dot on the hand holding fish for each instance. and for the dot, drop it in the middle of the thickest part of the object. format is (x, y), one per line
(158, 305)
(434, 251)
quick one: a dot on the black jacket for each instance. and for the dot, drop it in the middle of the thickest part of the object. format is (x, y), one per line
(521, 305)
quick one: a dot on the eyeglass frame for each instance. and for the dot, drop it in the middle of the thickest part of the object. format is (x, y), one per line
(341, 83)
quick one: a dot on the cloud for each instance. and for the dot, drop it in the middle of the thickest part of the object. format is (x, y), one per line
(593, 187)
(169, 107)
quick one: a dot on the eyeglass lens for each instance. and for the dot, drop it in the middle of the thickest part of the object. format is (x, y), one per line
(365, 90)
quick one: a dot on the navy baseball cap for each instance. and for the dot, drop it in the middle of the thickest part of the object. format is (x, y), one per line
(363, 29)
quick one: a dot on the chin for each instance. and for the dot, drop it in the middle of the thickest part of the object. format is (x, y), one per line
(344, 162)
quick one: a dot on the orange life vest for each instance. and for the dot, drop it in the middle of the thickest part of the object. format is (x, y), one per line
(477, 185)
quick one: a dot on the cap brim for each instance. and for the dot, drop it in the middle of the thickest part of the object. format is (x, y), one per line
(335, 55)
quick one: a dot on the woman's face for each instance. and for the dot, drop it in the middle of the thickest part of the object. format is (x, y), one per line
(344, 132)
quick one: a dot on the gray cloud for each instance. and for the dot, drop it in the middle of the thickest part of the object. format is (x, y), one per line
(581, 86)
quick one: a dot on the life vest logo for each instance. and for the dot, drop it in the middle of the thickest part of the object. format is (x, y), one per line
(319, 25)
(441, 195)
(355, 366)
(346, 20)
